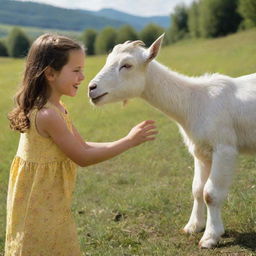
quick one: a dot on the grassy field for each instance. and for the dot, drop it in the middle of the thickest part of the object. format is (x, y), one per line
(137, 203)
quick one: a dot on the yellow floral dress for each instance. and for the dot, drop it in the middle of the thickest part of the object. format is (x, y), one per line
(41, 183)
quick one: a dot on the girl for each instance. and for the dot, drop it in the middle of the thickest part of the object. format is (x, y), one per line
(42, 176)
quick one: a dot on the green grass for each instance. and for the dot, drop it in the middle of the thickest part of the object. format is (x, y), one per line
(137, 203)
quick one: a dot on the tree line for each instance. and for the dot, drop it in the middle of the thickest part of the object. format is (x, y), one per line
(212, 18)
(17, 43)
(203, 18)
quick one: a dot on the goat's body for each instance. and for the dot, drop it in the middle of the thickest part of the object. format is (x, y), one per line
(216, 115)
(218, 109)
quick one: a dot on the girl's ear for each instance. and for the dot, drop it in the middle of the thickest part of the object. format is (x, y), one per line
(49, 73)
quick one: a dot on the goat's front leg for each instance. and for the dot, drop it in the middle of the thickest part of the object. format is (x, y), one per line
(215, 191)
(196, 222)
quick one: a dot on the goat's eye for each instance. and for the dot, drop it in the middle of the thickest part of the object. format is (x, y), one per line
(127, 66)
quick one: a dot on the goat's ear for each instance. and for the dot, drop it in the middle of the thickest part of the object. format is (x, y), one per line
(154, 48)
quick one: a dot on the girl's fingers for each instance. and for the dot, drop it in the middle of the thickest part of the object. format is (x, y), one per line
(149, 127)
(145, 123)
(146, 131)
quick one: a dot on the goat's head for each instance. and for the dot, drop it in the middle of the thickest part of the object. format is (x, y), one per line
(123, 75)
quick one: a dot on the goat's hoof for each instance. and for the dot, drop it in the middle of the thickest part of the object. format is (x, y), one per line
(193, 228)
(208, 243)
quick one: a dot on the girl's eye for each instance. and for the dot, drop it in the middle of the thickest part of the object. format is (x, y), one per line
(127, 66)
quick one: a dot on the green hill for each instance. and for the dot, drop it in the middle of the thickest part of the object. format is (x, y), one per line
(135, 21)
(47, 16)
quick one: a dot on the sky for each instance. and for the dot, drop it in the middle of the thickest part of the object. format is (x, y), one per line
(135, 7)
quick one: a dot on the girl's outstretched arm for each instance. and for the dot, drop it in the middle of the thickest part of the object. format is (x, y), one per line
(51, 124)
(92, 144)
(86, 143)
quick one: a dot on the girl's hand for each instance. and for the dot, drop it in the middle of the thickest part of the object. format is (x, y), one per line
(142, 132)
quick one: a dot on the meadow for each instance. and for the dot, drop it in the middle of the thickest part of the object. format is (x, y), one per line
(138, 202)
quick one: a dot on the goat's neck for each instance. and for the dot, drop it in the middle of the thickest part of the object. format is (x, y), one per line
(169, 91)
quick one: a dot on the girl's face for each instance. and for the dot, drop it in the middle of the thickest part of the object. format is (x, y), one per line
(68, 79)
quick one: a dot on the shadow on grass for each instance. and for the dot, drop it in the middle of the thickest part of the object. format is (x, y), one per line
(245, 240)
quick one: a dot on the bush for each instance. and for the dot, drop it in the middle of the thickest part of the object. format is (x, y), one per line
(105, 40)
(150, 33)
(179, 27)
(247, 9)
(126, 33)
(218, 17)
(193, 20)
(88, 38)
(3, 49)
(18, 43)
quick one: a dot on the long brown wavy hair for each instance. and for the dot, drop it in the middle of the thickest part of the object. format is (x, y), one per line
(48, 50)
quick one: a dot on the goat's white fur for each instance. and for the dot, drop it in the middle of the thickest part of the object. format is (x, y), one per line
(216, 115)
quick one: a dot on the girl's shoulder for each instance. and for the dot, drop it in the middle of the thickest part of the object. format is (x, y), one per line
(61, 109)
(47, 118)
(49, 110)
(46, 115)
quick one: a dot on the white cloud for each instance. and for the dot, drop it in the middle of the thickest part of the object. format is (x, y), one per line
(136, 7)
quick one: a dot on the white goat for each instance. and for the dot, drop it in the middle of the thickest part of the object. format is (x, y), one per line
(216, 115)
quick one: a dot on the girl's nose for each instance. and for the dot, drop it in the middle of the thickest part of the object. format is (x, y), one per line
(81, 78)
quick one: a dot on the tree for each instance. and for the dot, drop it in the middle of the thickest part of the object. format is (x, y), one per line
(18, 43)
(105, 40)
(218, 17)
(193, 19)
(247, 9)
(126, 33)
(150, 33)
(179, 27)
(88, 38)
(3, 49)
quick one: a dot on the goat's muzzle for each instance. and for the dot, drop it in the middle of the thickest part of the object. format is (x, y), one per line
(92, 87)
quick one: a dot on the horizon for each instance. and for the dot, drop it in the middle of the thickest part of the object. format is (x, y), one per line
(134, 7)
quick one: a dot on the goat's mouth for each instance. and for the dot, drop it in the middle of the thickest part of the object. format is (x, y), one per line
(98, 98)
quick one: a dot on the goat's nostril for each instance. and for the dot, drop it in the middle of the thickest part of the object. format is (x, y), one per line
(92, 87)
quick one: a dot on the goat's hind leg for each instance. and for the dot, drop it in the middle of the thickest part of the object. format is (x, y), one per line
(197, 220)
(215, 191)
